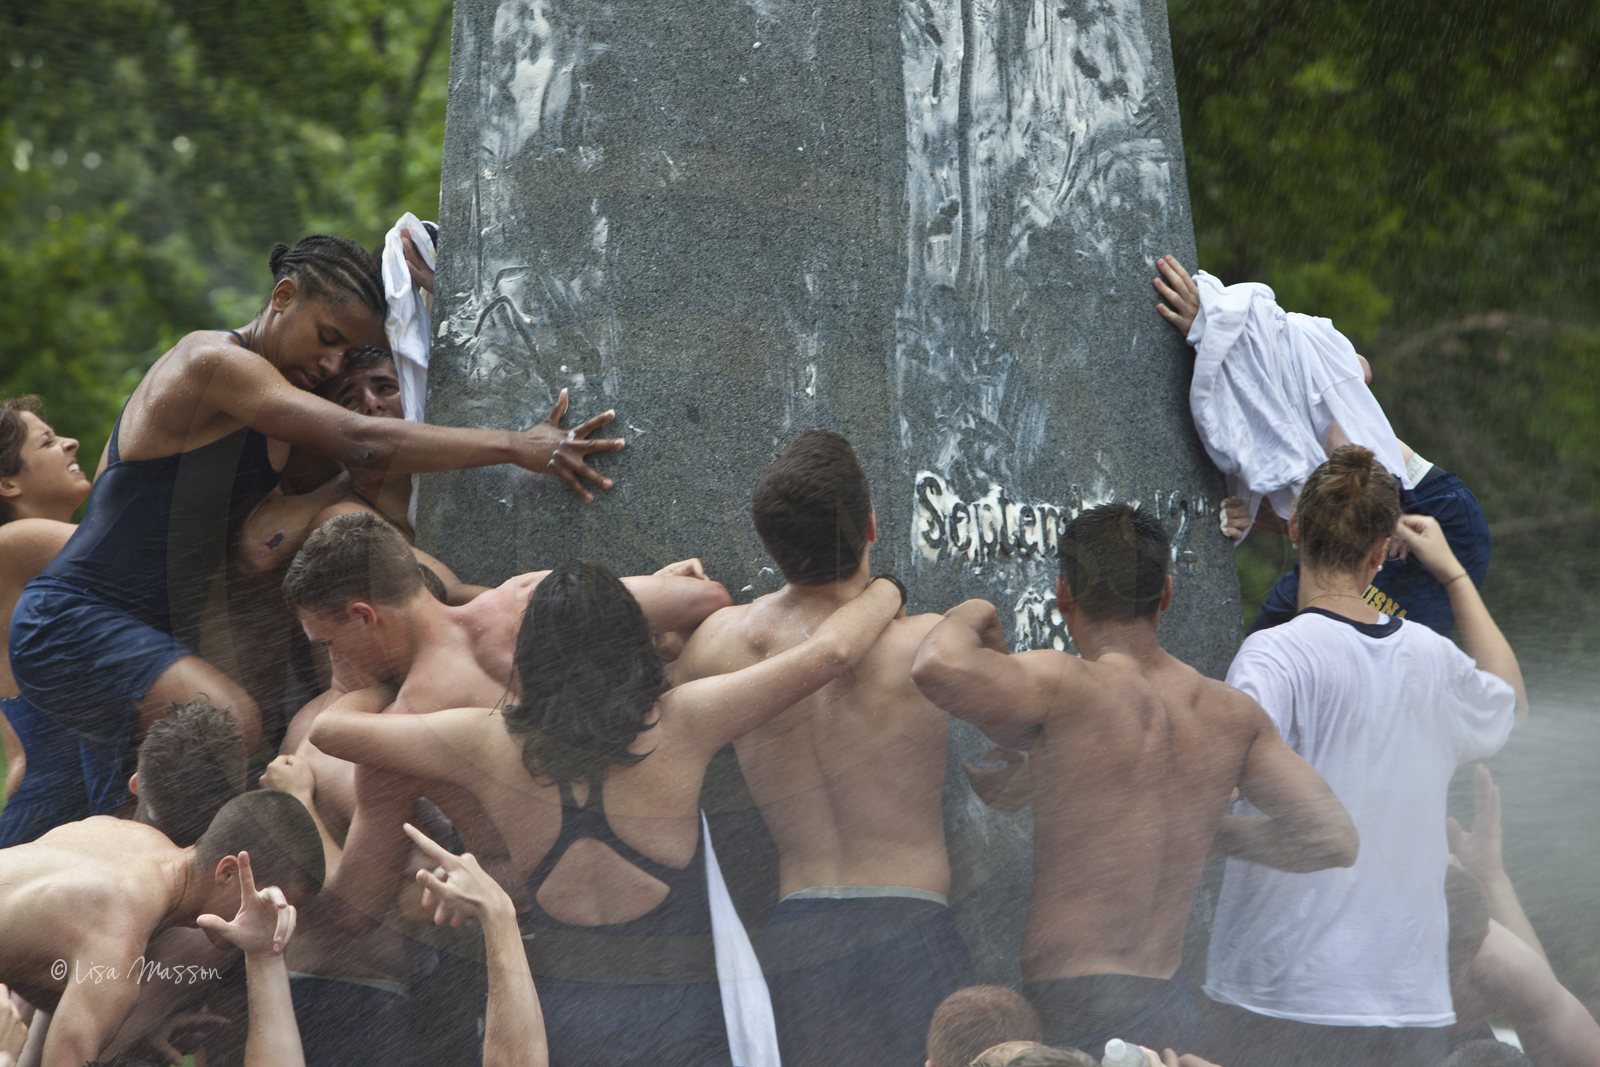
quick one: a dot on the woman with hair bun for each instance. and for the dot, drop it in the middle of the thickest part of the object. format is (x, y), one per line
(104, 641)
(1349, 965)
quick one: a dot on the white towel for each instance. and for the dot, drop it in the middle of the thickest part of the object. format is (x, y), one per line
(408, 325)
(1267, 385)
(746, 1003)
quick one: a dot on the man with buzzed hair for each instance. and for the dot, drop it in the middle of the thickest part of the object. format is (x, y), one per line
(191, 763)
(862, 946)
(1134, 757)
(79, 905)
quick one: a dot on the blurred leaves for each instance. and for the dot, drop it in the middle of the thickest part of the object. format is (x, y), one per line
(151, 152)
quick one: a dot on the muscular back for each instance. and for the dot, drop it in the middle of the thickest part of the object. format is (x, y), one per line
(1131, 778)
(848, 780)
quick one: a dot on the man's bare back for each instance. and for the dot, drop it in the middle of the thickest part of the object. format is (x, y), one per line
(848, 780)
(1133, 771)
(1134, 757)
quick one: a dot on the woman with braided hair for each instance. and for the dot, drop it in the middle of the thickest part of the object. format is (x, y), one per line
(1350, 966)
(104, 641)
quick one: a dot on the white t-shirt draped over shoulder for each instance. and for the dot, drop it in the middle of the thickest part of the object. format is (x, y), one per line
(1386, 713)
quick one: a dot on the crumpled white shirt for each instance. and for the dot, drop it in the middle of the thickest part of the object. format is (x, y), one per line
(408, 325)
(1267, 386)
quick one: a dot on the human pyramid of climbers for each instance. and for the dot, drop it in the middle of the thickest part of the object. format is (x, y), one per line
(282, 789)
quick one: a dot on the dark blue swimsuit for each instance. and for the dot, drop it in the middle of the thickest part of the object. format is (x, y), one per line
(123, 600)
(641, 991)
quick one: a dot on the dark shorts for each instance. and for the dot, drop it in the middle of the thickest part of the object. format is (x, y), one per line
(1241, 1038)
(347, 1024)
(855, 981)
(600, 1024)
(83, 663)
(52, 792)
(1404, 584)
(1085, 1012)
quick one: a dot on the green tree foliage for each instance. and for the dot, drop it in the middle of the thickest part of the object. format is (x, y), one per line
(151, 153)
(1427, 174)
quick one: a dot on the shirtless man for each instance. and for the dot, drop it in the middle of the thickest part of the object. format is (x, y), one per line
(120, 882)
(357, 591)
(1135, 757)
(862, 947)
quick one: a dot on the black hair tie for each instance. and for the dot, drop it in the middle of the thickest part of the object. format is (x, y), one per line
(898, 584)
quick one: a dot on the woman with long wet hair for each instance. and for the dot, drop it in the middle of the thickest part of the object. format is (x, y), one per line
(105, 640)
(1350, 965)
(592, 776)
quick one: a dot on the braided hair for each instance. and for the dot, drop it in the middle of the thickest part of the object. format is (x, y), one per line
(327, 266)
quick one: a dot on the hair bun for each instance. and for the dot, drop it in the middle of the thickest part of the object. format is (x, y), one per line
(275, 259)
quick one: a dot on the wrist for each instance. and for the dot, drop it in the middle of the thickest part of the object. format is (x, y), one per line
(1456, 577)
(898, 584)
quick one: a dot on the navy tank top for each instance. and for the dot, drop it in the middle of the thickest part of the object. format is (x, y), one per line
(157, 531)
(671, 943)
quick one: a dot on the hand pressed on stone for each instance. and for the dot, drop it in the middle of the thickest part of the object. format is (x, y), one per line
(1179, 293)
(548, 449)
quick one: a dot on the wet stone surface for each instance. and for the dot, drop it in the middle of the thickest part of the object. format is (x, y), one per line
(930, 225)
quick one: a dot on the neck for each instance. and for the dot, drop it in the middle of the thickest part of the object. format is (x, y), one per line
(54, 512)
(1128, 637)
(188, 888)
(836, 592)
(1340, 592)
(429, 625)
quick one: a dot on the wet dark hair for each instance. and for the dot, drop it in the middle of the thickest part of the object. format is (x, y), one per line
(588, 673)
(811, 508)
(1114, 561)
(356, 556)
(433, 583)
(360, 359)
(191, 763)
(280, 835)
(1348, 505)
(335, 268)
(976, 1018)
(13, 438)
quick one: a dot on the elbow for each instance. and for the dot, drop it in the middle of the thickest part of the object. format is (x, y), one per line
(1345, 846)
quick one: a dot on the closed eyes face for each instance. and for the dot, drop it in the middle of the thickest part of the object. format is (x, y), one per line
(316, 332)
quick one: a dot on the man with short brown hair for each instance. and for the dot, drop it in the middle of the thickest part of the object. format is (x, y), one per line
(976, 1018)
(1134, 757)
(191, 763)
(862, 947)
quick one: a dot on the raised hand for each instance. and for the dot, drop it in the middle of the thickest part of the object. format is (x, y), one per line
(459, 889)
(551, 450)
(1420, 535)
(421, 273)
(1235, 518)
(265, 921)
(1179, 293)
(293, 775)
(1479, 850)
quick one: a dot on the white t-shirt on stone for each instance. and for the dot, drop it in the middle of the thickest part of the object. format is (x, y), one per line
(1386, 712)
(1267, 386)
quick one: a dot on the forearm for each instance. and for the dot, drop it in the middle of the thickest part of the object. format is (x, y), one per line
(513, 1025)
(1273, 843)
(1560, 1034)
(1482, 639)
(845, 636)
(672, 603)
(274, 1038)
(401, 447)
(1506, 909)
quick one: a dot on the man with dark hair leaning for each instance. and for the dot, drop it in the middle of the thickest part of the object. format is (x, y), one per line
(1134, 759)
(862, 947)
(120, 882)
(191, 763)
